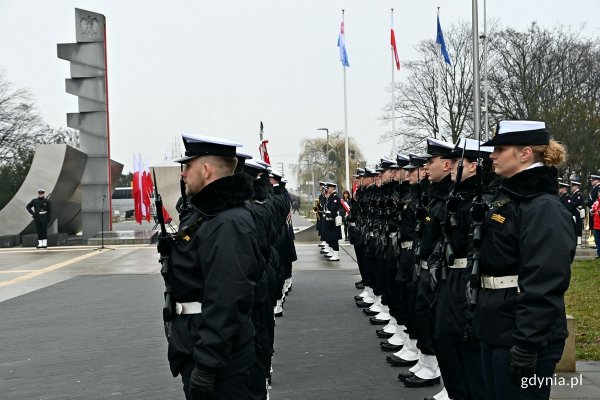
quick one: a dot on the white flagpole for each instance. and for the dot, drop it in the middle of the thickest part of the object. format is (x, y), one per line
(346, 122)
(393, 89)
(476, 81)
(439, 89)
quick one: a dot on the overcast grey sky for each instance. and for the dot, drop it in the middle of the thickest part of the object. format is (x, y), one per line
(219, 67)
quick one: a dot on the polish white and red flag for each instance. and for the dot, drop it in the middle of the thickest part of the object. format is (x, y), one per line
(142, 187)
(136, 186)
(345, 205)
(262, 147)
(394, 48)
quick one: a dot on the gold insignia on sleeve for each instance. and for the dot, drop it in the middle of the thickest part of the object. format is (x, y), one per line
(428, 219)
(186, 238)
(498, 218)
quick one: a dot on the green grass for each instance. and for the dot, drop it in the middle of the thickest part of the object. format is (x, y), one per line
(583, 302)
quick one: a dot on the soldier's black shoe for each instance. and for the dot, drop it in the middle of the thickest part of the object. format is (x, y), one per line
(404, 375)
(387, 346)
(416, 382)
(361, 286)
(429, 398)
(363, 304)
(370, 312)
(376, 321)
(279, 314)
(323, 251)
(358, 283)
(383, 334)
(400, 362)
(358, 298)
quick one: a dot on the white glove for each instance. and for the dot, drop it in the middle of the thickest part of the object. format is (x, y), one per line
(581, 213)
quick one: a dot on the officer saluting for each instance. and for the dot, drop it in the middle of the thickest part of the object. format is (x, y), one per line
(525, 264)
(41, 211)
(215, 260)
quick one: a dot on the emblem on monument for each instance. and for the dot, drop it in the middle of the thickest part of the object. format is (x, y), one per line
(89, 26)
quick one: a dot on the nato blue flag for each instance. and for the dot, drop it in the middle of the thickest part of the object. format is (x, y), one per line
(440, 40)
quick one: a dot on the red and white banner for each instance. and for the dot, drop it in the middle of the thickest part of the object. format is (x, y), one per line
(345, 205)
(142, 187)
(395, 49)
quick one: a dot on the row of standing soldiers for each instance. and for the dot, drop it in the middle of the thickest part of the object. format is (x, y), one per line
(226, 270)
(458, 267)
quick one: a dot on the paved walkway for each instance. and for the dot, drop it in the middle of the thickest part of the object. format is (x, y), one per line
(85, 324)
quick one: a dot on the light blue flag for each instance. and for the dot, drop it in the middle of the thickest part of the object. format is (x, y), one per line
(342, 45)
(440, 40)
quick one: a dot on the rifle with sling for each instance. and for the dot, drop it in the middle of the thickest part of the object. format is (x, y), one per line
(165, 243)
(452, 205)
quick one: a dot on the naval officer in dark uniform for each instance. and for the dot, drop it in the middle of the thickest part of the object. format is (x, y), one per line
(525, 265)
(215, 262)
(40, 209)
(578, 207)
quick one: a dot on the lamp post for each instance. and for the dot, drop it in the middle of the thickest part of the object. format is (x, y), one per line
(327, 156)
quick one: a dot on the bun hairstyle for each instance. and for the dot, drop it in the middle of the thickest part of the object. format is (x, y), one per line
(553, 154)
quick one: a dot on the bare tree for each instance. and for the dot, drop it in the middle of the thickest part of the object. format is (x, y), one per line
(326, 162)
(551, 75)
(21, 130)
(18, 121)
(436, 99)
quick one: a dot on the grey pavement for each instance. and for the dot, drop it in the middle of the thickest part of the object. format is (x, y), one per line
(79, 323)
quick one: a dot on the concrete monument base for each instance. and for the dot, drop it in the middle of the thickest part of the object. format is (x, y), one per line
(54, 239)
(112, 238)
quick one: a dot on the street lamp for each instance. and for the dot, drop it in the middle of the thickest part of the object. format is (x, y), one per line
(327, 157)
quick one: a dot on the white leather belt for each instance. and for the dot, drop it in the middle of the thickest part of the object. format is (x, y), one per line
(499, 282)
(392, 234)
(194, 307)
(371, 234)
(352, 224)
(459, 263)
(42, 212)
(406, 245)
(423, 264)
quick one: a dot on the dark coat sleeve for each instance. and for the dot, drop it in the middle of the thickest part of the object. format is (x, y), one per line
(229, 270)
(547, 250)
(28, 207)
(49, 207)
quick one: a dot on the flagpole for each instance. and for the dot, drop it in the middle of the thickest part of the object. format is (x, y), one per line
(346, 124)
(476, 100)
(485, 73)
(439, 88)
(393, 89)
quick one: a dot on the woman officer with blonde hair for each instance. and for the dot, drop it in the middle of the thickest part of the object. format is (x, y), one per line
(526, 253)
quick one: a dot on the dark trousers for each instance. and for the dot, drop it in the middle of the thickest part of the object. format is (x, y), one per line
(358, 250)
(41, 226)
(460, 365)
(334, 244)
(231, 382)
(287, 270)
(371, 266)
(495, 361)
(597, 240)
(392, 288)
(425, 313)
(262, 317)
